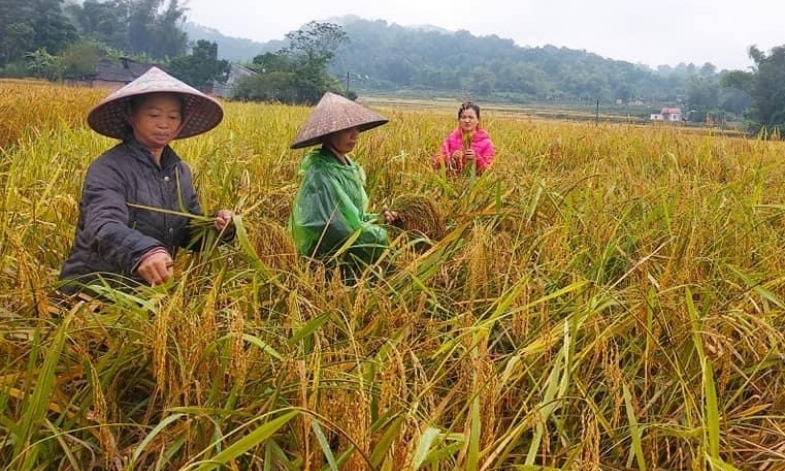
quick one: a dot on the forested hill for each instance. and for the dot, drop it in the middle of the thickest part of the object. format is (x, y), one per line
(382, 56)
(385, 56)
(229, 48)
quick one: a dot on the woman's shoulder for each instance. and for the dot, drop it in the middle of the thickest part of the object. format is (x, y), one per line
(455, 133)
(118, 150)
(481, 133)
(314, 162)
(313, 157)
(115, 156)
(454, 137)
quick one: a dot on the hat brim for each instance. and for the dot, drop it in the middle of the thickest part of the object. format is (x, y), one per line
(201, 112)
(319, 139)
(335, 113)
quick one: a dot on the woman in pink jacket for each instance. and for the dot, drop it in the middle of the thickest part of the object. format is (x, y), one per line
(466, 143)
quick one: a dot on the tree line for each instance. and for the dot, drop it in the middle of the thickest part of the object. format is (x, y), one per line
(376, 56)
(57, 40)
(384, 57)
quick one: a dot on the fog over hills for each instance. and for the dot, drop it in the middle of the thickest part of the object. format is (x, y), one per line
(244, 50)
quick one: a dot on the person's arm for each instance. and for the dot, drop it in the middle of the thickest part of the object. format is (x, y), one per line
(222, 218)
(106, 219)
(443, 157)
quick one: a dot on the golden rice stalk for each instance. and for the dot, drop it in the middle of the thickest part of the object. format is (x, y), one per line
(420, 214)
(273, 244)
(467, 139)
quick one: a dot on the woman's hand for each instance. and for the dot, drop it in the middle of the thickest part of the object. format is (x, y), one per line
(469, 154)
(390, 216)
(223, 220)
(156, 266)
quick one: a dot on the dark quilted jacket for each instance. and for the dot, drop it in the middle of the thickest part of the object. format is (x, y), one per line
(111, 235)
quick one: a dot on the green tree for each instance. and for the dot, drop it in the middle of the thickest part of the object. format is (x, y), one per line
(481, 81)
(315, 44)
(703, 99)
(310, 50)
(141, 19)
(708, 70)
(15, 37)
(275, 86)
(167, 38)
(80, 59)
(298, 72)
(137, 27)
(53, 30)
(103, 21)
(766, 88)
(31, 25)
(202, 68)
(735, 101)
(150, 28)
(44, 65)
(271, 62)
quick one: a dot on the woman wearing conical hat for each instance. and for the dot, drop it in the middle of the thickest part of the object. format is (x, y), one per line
(128, 230)
(331, 205)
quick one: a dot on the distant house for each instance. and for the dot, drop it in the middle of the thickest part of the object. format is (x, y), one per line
(113, 73)
(667, 114)
(237, 72)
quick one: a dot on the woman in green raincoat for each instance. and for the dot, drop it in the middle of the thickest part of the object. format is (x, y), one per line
(330, 210)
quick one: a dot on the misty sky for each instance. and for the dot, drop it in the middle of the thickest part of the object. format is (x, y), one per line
(649, 32)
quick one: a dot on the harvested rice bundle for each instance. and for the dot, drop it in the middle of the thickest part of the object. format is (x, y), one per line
(273, 244)
(467, 138)
(420, 214)
(201, 230)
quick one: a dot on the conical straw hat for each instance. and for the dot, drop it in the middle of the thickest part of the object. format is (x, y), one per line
(110, 116)
(335, 113)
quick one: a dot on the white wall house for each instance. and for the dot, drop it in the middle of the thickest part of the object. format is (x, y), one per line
(667, 114)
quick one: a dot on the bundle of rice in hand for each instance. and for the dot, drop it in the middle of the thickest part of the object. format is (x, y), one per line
(467, 138)
(468, 163)
(419, 214)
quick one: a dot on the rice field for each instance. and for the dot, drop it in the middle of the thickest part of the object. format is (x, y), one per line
(606, 297)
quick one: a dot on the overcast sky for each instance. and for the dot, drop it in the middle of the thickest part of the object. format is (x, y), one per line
(640, 31)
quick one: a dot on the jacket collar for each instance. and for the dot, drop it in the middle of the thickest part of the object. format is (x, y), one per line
(478, 134)
(330, 155)
(140, 153)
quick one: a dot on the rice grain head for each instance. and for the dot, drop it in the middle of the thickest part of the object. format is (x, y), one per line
(420, 214)
(274, 245)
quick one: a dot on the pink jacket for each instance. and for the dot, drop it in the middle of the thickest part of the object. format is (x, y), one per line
(481, 144)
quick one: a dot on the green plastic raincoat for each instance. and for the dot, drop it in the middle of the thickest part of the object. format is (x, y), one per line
(330, 209)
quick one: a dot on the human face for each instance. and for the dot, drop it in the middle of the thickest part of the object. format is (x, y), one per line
(157, 120)
(344, 141)
(468, 120)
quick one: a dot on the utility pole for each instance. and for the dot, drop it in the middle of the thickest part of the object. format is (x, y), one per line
(597, 114)
(347, 83)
